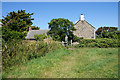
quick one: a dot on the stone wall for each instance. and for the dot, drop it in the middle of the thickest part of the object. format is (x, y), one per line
(84, 29)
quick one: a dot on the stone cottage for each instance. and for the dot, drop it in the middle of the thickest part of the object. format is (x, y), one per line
(31, 33)
(83, 29)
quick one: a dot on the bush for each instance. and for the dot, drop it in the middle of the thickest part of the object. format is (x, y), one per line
(101, 43)
(76, 39)
(109, 34)
(18, 51)
(9, 35)
(56, 37)
(40, 37)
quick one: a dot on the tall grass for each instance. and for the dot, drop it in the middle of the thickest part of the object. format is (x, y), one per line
(18, 51)
(70, 63)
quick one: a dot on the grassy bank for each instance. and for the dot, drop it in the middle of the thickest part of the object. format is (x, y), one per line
(63, 63)
(20, 51)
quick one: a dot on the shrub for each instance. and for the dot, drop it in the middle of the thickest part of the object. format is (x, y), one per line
(40, 37)
(56, 37)
(109, 34)
(102, 43)
(9, 35)
(18, 51)
(76, 39)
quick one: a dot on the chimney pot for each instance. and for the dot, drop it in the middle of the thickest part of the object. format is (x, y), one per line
(82, 17)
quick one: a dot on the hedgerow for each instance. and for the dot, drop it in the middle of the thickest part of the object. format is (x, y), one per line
(101, 43)
(20, 51)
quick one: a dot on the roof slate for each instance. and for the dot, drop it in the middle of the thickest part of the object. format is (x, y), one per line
(31, 33)
(84, 21)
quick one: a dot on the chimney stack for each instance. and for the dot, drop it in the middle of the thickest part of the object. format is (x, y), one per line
(82, 17)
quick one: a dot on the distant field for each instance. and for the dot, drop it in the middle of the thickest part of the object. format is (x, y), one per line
(76, 63)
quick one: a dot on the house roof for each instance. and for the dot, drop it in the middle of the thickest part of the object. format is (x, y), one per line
(31, 33)
(85, 21)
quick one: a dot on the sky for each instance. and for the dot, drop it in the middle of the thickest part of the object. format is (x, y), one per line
(96, 13)
(60, 0)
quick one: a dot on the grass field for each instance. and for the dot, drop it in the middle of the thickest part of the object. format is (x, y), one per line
(72, 63)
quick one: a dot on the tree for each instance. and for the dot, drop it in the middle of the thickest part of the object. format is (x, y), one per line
(108, 29)
(17, 21)
(35, 28)
(59, 28)
(16, 24)
(107, 32)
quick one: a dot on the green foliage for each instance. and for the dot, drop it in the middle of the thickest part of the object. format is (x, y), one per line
(101, 43)
(16, 24)
(18, 51)
(107, 32)
(76, 39)
(59, 28)
(8, 35)
(56, 37)
(35, 28)
(94, 62)
(40, 37)
(113, 35)
(111, 29)
(17, 21)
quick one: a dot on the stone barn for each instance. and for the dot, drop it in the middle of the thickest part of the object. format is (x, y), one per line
(84, 29)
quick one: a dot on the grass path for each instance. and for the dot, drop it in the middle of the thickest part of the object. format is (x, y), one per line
(62, 69)
(77, 63)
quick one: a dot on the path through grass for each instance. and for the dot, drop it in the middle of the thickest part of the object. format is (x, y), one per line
(63, 63)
